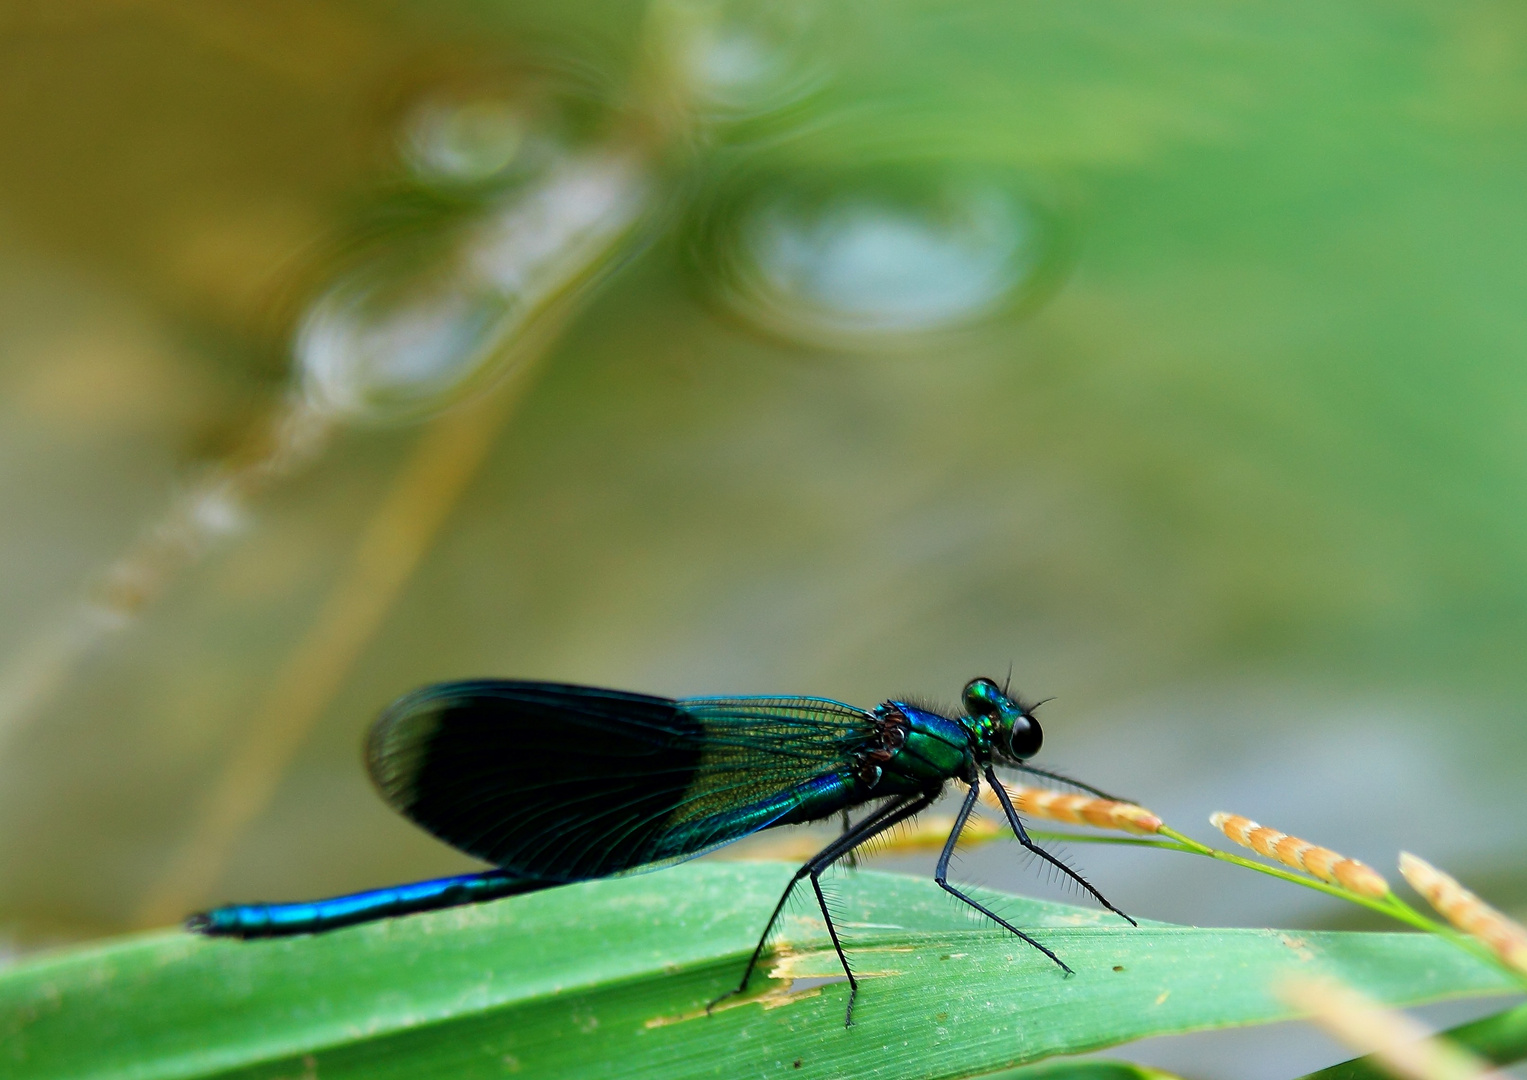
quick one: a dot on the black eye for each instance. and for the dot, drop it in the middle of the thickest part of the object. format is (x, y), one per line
(982, 697)
(1026, 738)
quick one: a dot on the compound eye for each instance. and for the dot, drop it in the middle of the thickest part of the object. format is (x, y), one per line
(982, 697)
(1026, 738)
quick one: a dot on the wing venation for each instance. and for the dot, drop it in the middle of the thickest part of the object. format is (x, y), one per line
(568, 783)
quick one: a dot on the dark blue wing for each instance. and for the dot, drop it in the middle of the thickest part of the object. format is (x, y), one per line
(567, 783)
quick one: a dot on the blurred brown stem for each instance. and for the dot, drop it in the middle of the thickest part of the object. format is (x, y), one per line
(401, 531)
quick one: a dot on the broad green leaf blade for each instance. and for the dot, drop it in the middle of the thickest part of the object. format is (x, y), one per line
(610, 979)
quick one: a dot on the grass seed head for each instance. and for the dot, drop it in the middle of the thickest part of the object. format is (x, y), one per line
(1078, 809)
(1313, 859)
(1506, 937)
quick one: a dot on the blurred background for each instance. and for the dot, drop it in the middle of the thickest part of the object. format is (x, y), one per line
(1171, 357)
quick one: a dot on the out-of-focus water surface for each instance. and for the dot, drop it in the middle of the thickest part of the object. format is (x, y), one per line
(1171, 356)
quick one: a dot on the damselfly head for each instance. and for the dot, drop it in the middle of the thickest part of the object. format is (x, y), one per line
(1017, 734)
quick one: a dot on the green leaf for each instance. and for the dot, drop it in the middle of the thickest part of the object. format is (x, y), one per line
(610, 978)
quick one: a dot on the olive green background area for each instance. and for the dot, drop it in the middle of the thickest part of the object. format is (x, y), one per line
(1243, 486)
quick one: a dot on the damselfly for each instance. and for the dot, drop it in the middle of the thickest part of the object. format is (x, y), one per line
(554, 784)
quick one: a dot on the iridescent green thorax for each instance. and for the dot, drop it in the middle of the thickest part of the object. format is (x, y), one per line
(918, 750)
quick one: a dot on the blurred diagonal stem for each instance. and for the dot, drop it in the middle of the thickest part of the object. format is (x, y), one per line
(403, 528)
(210, 507)
(1500, 1039)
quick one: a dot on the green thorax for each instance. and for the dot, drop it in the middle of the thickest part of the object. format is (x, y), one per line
(920, 750)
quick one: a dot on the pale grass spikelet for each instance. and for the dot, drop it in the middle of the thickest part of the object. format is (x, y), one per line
(923, 834)
(929, 834)
(1313, 859)
(1506, 937)
(1400, 1045)
(1078, 809)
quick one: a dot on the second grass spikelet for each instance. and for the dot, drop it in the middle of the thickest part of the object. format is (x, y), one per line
(1313, 859)
(1506, 937)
